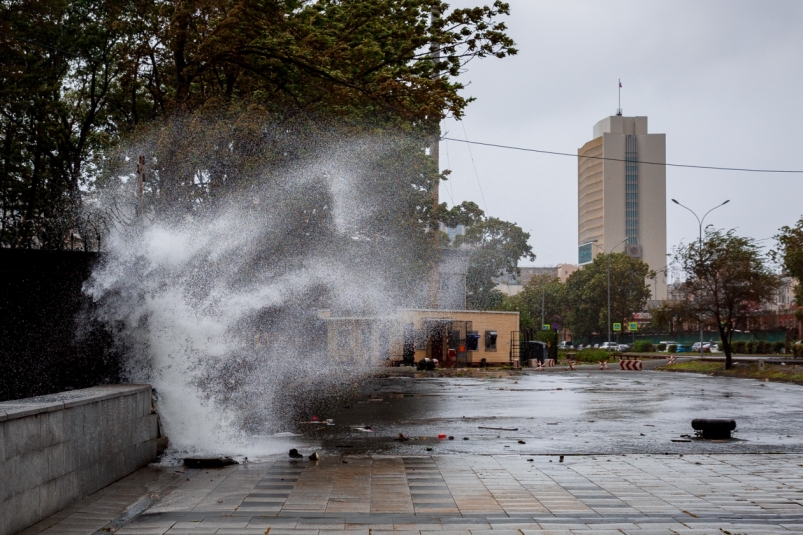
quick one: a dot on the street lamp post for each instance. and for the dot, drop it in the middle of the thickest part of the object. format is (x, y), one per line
(655, 281)
(608, 258)
(700, 247)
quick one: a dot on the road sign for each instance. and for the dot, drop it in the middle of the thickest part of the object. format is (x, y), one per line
(617, 327)
(555, 326)
(632, 326)
(545, 327)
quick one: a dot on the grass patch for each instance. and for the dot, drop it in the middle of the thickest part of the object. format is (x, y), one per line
(593, 356)
(771, 372)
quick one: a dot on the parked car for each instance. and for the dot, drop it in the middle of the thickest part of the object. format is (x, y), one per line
(696, 347)
(715, 348)
(580, 346)
(610, 346)
(596, 346)
(623, 347)
(683, 349)
(667, 344)
(565, 345)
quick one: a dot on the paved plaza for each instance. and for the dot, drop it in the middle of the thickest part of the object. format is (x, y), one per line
(453, 495)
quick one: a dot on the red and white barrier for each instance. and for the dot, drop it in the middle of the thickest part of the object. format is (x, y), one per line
(603, 365)
(630, 364)
(548, 363)
(571, 365)
(672, 359)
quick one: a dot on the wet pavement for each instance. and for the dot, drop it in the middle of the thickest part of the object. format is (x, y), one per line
(620, 474)
(458, 495)
(562, 413)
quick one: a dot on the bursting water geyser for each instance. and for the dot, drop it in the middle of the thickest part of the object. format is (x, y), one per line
(215, 283)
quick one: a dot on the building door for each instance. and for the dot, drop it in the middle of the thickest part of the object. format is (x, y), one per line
(437, 344)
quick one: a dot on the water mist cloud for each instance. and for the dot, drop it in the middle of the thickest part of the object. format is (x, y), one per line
(214, 291)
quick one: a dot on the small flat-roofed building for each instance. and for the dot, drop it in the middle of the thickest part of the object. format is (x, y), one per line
(414, 334)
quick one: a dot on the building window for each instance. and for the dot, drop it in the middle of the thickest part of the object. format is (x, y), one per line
(490, 340)
(631, 190)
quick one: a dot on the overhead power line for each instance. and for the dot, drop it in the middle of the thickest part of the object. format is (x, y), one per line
(710, 167)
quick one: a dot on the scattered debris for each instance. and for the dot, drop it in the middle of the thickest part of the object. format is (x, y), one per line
(499, 428)
(208, 462)
(451, 438)
(465, 438)
(429, 449)
(314, 456)
(441, 436)
(295, 455)
(401, 438)
(529, 460)
(681, 440)
(561, 458)
(522, 442)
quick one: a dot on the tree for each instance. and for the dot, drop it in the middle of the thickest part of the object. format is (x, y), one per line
(790, 255)
(727, 278)
(497, 248)
(668, 316)
(542, 296)
(77, 77)
(587, 293)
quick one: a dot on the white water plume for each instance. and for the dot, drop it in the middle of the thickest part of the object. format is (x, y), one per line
(218, 306)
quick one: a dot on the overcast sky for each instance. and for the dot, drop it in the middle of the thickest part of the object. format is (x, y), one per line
(722, 80)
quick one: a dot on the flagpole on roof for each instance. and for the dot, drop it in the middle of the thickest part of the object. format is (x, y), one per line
(619, 109)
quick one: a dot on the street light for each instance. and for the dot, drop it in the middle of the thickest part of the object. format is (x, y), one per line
(700, 246)
(608, 258)
(655, 281)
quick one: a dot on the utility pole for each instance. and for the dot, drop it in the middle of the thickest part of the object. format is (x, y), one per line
(608, 258)
(140, 185)
(543, 295)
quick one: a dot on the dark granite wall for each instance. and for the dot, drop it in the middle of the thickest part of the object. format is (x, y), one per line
(48, 341)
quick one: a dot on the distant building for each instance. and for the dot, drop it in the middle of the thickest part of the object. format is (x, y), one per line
(622, 198)
(513, 284)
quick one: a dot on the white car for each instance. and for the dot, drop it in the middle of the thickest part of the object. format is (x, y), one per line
(610, 346)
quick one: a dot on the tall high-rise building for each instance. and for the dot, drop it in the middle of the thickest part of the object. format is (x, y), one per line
(622, 198)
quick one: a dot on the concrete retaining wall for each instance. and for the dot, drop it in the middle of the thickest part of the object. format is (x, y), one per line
(56, 449)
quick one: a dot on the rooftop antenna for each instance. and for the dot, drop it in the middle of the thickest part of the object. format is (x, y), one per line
(619, 109)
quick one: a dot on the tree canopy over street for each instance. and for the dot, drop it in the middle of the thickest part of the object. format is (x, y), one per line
(78, 77)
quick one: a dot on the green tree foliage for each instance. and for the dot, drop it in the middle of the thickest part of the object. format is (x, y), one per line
(669, 316)
(497, 248)
(726, 280)
(543, 295)
(76, 76)
(58, 63)
(587, 293)
(790, 255)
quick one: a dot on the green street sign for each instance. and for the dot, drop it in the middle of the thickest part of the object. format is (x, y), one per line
(545, 327)
(632, 326)
(617, 327)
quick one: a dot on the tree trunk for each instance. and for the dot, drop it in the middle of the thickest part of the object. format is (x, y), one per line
(726, 346)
